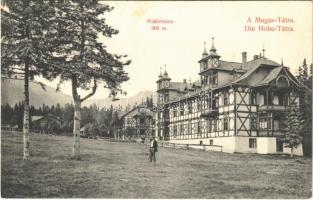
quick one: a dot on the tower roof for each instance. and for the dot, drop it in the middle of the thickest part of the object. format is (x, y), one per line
(165, 74)
(213, 50)
(205, 53)
(160, 76)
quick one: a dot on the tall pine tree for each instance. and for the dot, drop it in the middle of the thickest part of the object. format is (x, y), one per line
(86, 60)
(25, 50)
(305, 78)
(293, 125)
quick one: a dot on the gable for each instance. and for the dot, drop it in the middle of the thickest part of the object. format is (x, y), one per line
(139, 111)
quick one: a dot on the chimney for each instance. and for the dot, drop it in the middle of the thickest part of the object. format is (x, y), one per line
(255, 57)
(185, 81)
(244, 59)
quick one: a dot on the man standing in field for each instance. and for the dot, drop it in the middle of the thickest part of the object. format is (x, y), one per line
(153, 149)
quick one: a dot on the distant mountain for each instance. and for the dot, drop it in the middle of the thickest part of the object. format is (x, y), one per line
(123, 101)
(12, 91)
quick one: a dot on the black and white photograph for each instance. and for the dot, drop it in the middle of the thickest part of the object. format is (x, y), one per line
(156, 99)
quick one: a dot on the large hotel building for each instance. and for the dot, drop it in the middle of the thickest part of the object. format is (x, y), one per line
(237, 106)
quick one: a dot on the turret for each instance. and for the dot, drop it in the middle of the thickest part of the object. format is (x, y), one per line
(210, 59)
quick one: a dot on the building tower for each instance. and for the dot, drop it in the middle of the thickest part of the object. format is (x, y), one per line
(213, 57)
(208, 62)
(163, 86)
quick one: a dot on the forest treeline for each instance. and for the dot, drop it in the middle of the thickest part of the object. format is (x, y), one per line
(97, 121)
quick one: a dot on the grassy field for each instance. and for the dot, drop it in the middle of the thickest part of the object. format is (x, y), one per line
(120, 170)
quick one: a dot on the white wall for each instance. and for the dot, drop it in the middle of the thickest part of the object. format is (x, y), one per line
(266, 145)
(242, 145)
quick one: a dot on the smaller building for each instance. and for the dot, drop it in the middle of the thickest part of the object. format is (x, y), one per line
(138, 122)
(7, 127)
(46, 124)
(82, 131)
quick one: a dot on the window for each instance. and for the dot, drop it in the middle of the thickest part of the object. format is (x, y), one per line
(214, 125)
(204, 80)
(226, 99)
(182, 109)
(226, 124)
(253, 98)
(209, 124)
(182, 129)
(211, 142)
(166, 97)
(205, 64)
(265, 98)
(214, 102)
(263, 123)
(270, 98)
(190, 107)
(199, 105)
(199, 128)
(174, 112)
(189, 127)
(214, 79)
(160, 98)
(175, 130)
(252, 143)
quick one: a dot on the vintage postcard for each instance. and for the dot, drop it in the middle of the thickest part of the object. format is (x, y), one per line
(156, 99)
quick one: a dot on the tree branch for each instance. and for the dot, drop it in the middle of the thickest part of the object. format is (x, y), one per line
(94, 88)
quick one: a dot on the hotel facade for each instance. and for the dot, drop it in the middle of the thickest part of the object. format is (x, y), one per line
(236, 106)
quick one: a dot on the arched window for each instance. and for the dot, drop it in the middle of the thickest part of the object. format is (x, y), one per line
(282, 81)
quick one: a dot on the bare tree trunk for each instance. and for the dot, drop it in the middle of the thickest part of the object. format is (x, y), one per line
(77, 118)
(291, 152)
(26, 114)
(76, 130)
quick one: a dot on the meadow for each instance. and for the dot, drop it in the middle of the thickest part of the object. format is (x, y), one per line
(121, 170)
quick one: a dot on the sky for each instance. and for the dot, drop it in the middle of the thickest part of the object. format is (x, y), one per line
(180, 46)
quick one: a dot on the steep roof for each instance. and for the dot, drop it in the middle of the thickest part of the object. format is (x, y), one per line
(184, 96)
(180, 86)
(227, 66)
(135, 112)
(253, 65)
(261, 61)
(271, 76)
(36, 117)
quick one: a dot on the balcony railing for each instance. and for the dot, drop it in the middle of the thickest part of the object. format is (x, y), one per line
(272, 107)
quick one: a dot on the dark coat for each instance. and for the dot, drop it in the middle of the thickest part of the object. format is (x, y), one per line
(155, 145)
